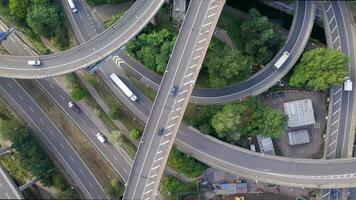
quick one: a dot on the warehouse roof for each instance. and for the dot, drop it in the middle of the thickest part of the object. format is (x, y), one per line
(265, 144)
(300, 113)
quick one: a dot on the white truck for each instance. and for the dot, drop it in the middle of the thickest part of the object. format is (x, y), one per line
(72, 6)
(281, 60)
(347, 84)
(123, 87)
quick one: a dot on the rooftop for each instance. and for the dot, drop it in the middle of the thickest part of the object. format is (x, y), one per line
(300, 113)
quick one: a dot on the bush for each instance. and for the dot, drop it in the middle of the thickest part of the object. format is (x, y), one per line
(115, 189)
(78, 94)
(172, 187)
(185, 165)
(135, 134)
(115, 113)
(113, 19)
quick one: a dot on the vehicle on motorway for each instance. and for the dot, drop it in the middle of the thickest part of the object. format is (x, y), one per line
(281, 60)
(160, 131)
(34, 62)
(174, 91)
(123, 87)
(72, 6)
(73, 106)
(101, 137)
(333, 193)
(348, 84)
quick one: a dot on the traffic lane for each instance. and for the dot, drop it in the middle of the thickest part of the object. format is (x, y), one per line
(147, 150)
(117, 160)
(50, 136)
(7, 186)
(88, 53)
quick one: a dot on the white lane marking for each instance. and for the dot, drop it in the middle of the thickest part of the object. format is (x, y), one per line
(72, 158)
(61, 145)
(158, 159)
(210, 15)
(193, 66)
(336, 111)
(207, 24)
(91, 185)
(336, 39)
(84, 122)
(150, 183)
(155, 167)
(332, 19)
(115, 157)
(189, 75)
(31, 109)
(51, 132)
(7, 195)
(333, 151)
(332, 143)
(154, 175)
(191, 81)
(164, 143)
(10, 86)
(170, 126)
(60, 96)
(182, 99)
(337, 101)
(337, 91)
(213, 7)
(332, 124)
(178, 109)
(148, 190)
(183, 92)
(200, 41)
(334, 29)
(175, 117)
(333, 133)
(51, 86)
(198, 49)
(81, 171)
(41, 120)
(168, 134)
(327, 10)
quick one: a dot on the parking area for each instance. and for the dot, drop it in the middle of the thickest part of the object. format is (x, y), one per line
(314, 149)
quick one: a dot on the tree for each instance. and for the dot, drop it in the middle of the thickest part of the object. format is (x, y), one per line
(43, 19)
(226, 65)
(117, 137)
(153, 49)
(19, 9)
(228, 123)
(115, 189)
(115, 112)
(258, 37)
(319, 69)
(135, 134)
(78, 94)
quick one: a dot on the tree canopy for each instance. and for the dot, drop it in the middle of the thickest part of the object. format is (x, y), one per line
(226, 65)
(248, 118)
(153, 49)
(258, 37)
(319, 69)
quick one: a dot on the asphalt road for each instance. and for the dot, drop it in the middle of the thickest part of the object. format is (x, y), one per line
(8, 189)
(55, 142)
(167, 111)
(264, 79)
(90, 52)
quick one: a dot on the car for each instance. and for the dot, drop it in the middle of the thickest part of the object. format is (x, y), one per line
(101, 137)
(160, 131)
(174, 91)
(333, 193)
(34, 62)
(73, 106)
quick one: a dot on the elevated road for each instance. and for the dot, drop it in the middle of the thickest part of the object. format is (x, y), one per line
(167, 111)
(88, 53)
(264, 79)
(8, 189)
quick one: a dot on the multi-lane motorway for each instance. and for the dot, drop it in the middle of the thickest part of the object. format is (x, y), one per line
(170, 103)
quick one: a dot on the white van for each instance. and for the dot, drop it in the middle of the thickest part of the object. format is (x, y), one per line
(101, 137)
(34, 62)
(72, 6)
(347, 84)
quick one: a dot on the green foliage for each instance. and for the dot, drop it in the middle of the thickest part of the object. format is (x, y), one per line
(135, 134)
(153, 49)
(226, 65)
(117, 137)
(246, 119)
(77, 92)
(113, 19)
(33, 158)
(115, 112)
(115, 189)
(98, 2)
(43, 19)
(258, 37)
(171, 187)
(19, 9)
(319, 69)
(185, 165)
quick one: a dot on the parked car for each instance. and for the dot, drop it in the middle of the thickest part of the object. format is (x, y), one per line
(73, 106)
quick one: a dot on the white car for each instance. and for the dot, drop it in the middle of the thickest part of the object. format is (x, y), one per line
(34, 62)
(101, 137)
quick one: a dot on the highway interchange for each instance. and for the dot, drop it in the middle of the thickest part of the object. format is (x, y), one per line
(340, 173)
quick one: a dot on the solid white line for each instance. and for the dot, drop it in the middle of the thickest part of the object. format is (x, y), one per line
(207, 24)
(333, 133)
(337, 91)
(332, 18)
(175, 117)
(193, 66)
(159, 159)
(155, 167)
(336, 111)
(332, 143)
(150, 183)
(189, 75)
(168, 134)
(183, 92)
(337, 101)
(196, 57)
(198, 49)
(191, 81)
(20, 97)
(164, 143)
(328, 8)
(334, 122)
(336, 39)
(153, 176)
(334, 28)
(170, 126)
(178, 109)
(200, 41)
(210, 15)
(180, 100)
(31, 109)
(213, 7)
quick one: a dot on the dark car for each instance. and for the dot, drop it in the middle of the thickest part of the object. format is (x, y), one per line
(174, 91)
(333, 193)
(160, 131)
(73, 106)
